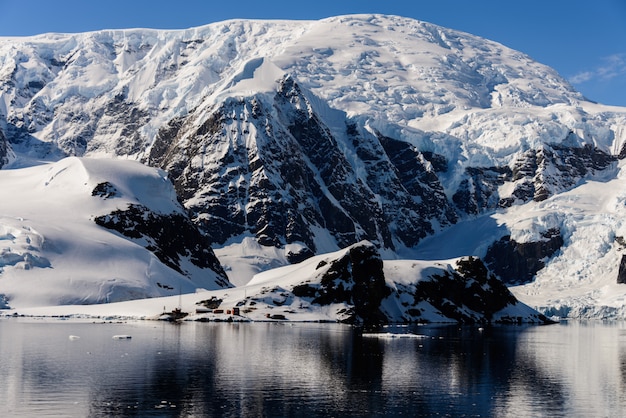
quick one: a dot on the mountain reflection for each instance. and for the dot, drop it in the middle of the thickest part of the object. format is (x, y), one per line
(280, 370)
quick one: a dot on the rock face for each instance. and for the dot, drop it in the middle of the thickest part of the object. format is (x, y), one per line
(517, 263)
(535, 176)
(478, 192)
(5, 150)
(539, 174)
(170, 237)
(282, 174)
(4, 303)
(356, 279)
(471, 294)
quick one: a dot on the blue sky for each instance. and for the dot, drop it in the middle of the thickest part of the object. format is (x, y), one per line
(584, 40)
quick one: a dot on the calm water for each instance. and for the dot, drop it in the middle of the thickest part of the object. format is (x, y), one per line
(312, 370)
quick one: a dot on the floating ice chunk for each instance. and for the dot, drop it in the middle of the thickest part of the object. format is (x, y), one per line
(393, 335)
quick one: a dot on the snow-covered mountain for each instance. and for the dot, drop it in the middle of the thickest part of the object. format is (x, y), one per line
(59, 240)
(285, 139)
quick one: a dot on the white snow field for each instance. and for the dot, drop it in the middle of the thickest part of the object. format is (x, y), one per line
(51, 250)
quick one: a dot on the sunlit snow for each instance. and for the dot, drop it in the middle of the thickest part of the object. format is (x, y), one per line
(51, 250)
(476, 102)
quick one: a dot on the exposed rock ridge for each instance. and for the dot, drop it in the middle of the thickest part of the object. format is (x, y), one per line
(355, 285)
(170, 237)
(517, 263)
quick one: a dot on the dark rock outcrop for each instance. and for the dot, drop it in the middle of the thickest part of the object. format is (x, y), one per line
(471, 294)
(478, 192)
(356, 279)
(540, 173)
(416, 199)
(356, 208)
(4, 150)
(272, 167)
(465, 293)
(125, 118)
(105, 190)
(170, 237)
(517, 263)
(537, 175)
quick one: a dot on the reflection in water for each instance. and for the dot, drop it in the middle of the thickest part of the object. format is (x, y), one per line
(567, 370)
(275, 370)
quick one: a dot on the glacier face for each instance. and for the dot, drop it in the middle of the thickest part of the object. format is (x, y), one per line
(112, 91)
(313, 135)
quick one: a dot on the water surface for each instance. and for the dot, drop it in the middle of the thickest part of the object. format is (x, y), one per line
(313, 370)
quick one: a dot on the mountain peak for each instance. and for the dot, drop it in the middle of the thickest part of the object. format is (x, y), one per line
(310, 136)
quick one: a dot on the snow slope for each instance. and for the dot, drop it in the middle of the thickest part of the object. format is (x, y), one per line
(51, 250)
(278, 295)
